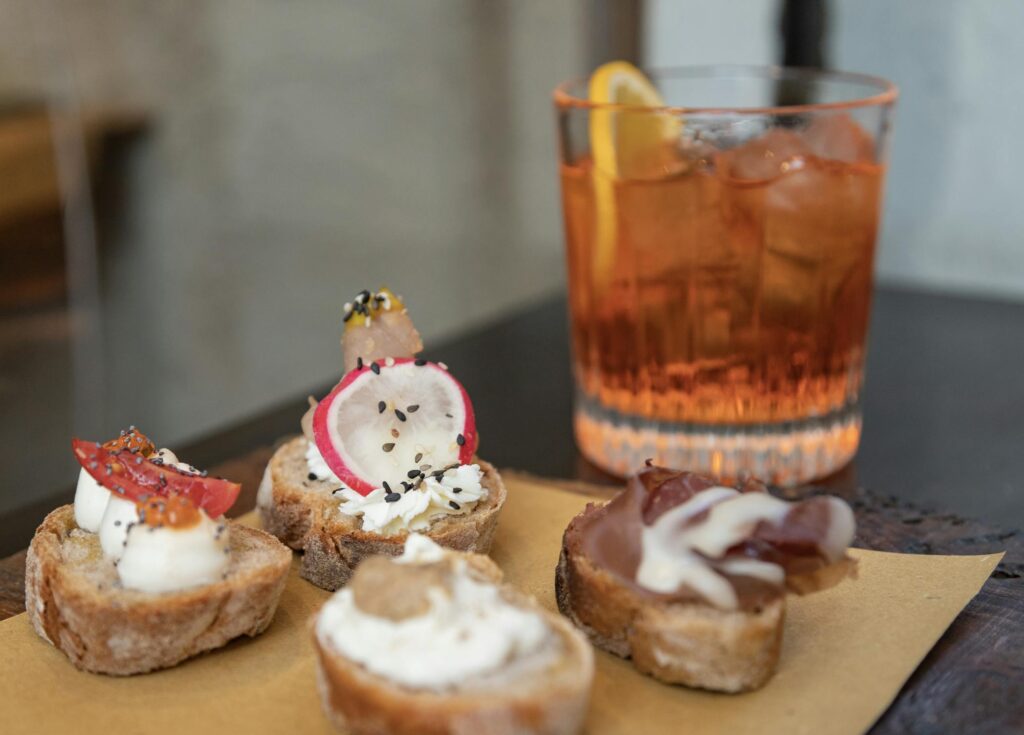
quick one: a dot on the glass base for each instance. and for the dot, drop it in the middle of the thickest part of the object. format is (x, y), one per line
(787, 454)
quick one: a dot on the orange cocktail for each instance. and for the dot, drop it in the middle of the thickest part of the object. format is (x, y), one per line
(720, 270)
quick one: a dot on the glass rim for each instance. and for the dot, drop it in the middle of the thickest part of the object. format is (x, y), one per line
(886, 95)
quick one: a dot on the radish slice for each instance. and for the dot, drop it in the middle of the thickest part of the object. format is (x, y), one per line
(392, 422)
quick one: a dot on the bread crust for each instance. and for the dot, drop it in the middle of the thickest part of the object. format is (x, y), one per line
(304, 514)
(74, 602)
(554, 702)
(688, 643)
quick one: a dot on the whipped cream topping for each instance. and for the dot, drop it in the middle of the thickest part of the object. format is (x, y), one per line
(163, 559)
(457, 492)
(317, 465)
(468, 633)
(91, 498)
(91, 501)
(419, 549)
(120, 515)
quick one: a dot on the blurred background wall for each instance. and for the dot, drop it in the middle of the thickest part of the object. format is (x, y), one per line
(284, 156)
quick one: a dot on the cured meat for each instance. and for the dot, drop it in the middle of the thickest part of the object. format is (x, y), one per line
(683, 536)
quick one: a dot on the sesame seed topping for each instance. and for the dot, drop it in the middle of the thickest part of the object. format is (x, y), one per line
(418, 457)
(424, 467)
(394, 433)
(460, 440)
(117, 523)
(454, 505)
(419, 362)
(388, 447)
(359, 363)
(392, 497)
(456, 490)
(375, 368)
(412, 474)
(400, 415)
(381, 407)
(389, 361)
(442, 366)
(413, 408)
(311, 476)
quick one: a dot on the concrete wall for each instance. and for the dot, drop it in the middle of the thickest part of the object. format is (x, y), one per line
(298, 152)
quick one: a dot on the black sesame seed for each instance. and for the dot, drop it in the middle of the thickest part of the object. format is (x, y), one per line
(386, 486)
(392, 497)
(456, 490)
(311, 476)
(460, 440)
(388, 447)
(375, 368)
(413, 408)
(418, 457)
(449, 415)
(381, 407)
(359, 363)
(420, 362)
(454, 505)
(412, 474)
(117, 523)
(407, 485)
(400, 415)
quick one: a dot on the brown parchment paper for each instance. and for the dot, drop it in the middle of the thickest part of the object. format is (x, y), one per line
(847, 652)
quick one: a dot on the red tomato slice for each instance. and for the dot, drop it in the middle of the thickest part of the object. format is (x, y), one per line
(136, 477)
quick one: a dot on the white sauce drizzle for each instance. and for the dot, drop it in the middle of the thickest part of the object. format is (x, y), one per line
(673, 556)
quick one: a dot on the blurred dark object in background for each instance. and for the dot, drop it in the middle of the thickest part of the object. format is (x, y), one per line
(32, 250)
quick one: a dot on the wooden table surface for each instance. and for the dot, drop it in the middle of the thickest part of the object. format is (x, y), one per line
(973, 680)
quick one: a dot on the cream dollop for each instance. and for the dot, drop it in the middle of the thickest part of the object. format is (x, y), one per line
(119, 513)
(471, 632)
(457, 492)
(163, 559)
(119, 516)
(317, 465)
(92, 499)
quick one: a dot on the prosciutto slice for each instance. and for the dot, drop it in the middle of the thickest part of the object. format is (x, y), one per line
(684, 536)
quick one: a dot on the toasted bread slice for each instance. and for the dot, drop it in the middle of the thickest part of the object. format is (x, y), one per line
(690, 643)
(304, 514)
(75, 601)
(551, 699)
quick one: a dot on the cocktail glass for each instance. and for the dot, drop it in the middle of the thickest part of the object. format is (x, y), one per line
(720, 254)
